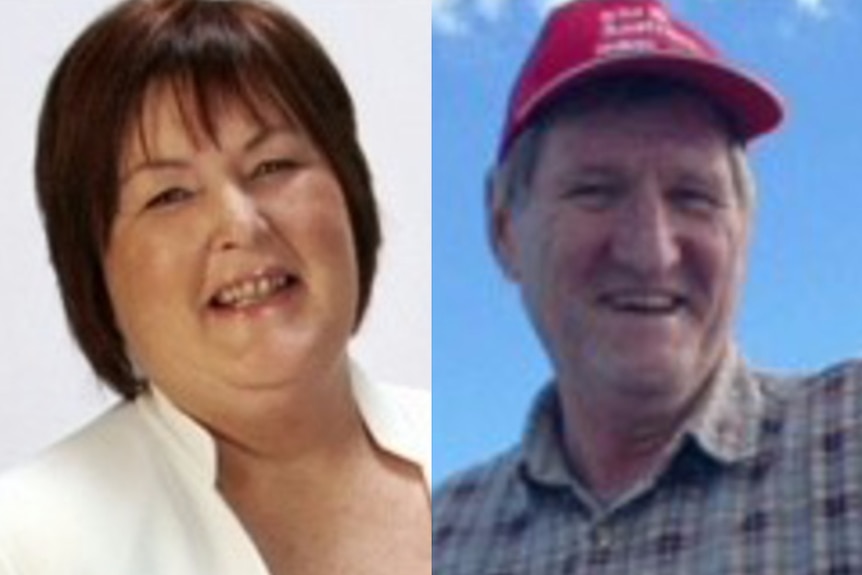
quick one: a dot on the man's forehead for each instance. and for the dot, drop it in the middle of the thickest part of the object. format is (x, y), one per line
(679, 135)
(675, 117)
(628, 96)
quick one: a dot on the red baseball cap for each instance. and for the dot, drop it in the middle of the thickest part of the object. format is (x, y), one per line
(584, 40)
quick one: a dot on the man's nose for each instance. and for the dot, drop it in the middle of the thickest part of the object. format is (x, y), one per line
(644, 238)
(238, 220)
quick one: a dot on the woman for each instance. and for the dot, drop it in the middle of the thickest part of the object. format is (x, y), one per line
(212, 225)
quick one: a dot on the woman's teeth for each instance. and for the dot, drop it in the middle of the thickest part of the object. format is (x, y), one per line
(251, 291)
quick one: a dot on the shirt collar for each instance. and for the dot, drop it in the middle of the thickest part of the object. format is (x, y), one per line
(728, 424)
(401, 429)
(544, 458)
(726, 427)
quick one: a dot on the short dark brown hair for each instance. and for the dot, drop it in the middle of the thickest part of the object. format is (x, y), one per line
(243, 50)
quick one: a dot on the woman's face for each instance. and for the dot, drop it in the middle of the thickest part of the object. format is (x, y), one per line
(230, 262)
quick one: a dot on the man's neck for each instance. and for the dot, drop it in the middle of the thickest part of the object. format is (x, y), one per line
(613, 447)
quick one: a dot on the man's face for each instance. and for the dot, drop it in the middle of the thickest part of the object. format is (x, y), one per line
(629, 248)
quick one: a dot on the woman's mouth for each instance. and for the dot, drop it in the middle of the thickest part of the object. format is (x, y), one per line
(252, 291)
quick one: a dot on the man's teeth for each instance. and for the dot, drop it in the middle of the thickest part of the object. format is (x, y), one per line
(250, 291)
(645, 303)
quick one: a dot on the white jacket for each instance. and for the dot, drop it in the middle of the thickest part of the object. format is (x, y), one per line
(133, 493)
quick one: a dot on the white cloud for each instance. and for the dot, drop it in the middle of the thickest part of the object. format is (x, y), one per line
(446, 17)
(453, 16)
(816, 8)
(491, 9)
(549, 4)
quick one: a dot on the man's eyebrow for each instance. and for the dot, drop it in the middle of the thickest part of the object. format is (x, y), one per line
(699, 177)
(597, 169)
(593, 170)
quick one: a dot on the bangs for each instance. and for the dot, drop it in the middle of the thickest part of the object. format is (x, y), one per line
(207, 62)
(200, 101)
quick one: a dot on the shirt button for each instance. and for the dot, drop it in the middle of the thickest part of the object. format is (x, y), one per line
(601, 538)
(600, 553)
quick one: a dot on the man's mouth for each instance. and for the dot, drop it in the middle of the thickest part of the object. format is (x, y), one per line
(253, 290)
(649, 303)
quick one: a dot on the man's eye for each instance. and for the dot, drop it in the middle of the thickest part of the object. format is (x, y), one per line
(272, 167)
(697, 201)
(169, 197)
(592, 197)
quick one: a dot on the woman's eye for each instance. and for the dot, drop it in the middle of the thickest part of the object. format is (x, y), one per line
(272, 167)
(168, 197)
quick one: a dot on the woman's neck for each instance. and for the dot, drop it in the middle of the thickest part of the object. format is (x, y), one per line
(301, 426)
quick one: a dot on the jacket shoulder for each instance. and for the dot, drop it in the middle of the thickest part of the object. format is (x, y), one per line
(76, 483)
(98, 450)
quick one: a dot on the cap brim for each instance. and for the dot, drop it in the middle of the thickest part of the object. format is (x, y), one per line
(754, 106)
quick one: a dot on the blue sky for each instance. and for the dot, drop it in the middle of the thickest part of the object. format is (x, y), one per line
(802, 306)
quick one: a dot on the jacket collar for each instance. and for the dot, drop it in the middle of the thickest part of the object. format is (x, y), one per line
(397, 418)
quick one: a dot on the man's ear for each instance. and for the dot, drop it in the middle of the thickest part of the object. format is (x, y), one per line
(500, 225)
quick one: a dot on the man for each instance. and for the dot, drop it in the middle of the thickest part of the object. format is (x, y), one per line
(621, 206)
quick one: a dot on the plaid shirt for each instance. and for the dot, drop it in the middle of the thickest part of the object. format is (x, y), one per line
(766, 479)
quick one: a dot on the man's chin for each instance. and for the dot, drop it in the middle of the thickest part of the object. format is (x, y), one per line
(651, 375)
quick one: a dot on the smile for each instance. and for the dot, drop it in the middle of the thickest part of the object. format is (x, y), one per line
(252, 291)
(644, 302)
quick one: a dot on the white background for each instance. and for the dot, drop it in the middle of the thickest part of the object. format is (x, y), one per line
(382, 47)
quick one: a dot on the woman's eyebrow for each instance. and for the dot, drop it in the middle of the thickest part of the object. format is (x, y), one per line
(265, 134)
(268, 132)
(153, 164)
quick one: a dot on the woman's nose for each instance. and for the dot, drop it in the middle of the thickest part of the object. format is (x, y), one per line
(238, 220)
